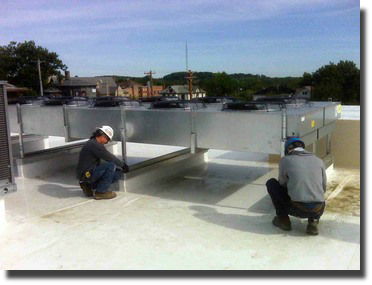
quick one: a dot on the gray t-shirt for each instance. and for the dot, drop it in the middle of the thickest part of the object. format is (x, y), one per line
(304, 176)
(90, 156)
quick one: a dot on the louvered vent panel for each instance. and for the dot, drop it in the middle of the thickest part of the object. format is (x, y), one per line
(5, 171)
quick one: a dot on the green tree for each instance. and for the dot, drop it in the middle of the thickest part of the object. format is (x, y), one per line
(307, 79)
(19, 67)
(340, 82)
(350, 82)
(221, 84)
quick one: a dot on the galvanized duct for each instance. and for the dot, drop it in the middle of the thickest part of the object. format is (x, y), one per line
(209, 128)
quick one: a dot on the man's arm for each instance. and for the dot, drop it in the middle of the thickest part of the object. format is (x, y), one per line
(324, 177)
(283, 179)
(101, 152)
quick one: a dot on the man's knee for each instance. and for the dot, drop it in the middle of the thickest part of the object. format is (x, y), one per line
(271, 184)
(111, 166)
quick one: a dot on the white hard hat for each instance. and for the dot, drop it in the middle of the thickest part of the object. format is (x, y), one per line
(108, 131)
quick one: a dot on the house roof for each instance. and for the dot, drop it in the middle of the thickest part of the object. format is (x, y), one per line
(181, 89)
(13, 88)
(76, 82)
(304, 88)
(98, 82)
(90, 81)
(53, 79)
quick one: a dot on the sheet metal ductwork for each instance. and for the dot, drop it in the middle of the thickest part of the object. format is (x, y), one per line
(262, 130)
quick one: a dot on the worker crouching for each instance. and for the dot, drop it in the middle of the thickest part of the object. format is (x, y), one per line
(94, 175)
(300, 189)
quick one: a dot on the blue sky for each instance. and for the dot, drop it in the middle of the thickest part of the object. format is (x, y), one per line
(270, 37)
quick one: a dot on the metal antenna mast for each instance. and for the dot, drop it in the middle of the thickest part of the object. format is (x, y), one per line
(187, 59)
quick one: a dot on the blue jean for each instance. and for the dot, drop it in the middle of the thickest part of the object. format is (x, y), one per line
(103, 176)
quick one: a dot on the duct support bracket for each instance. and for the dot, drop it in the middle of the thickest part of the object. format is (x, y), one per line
(193, 143)
(193, 133)
(123, 135)
(20, 130)
(65, 124)
(284, 132)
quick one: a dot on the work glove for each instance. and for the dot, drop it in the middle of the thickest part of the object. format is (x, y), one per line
(125, 168)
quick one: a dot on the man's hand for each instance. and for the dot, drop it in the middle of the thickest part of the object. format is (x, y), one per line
(125, 168)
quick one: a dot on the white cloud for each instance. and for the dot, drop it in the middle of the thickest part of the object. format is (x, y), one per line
(150, 13)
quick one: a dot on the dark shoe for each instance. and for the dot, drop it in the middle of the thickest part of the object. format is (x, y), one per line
(312, 227)
(86, 189)
(107, 195)
(282, 222)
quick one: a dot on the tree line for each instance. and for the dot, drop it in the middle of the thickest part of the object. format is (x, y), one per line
(340, 81)
(18, 65)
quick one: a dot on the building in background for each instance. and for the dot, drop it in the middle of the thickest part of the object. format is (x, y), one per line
(89, 86)
(303, 92)
(136, 90)
(130, 88)
(182, 92)
(145, 91)
(14, 93)
(53, 91)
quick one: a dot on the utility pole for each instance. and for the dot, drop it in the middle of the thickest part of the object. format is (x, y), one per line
(150, 73)
(39, 70)
(190, 78)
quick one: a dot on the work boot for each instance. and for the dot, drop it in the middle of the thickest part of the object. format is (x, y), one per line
(282, 222)
(107, 195)
(312, 227)
(86, 189)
